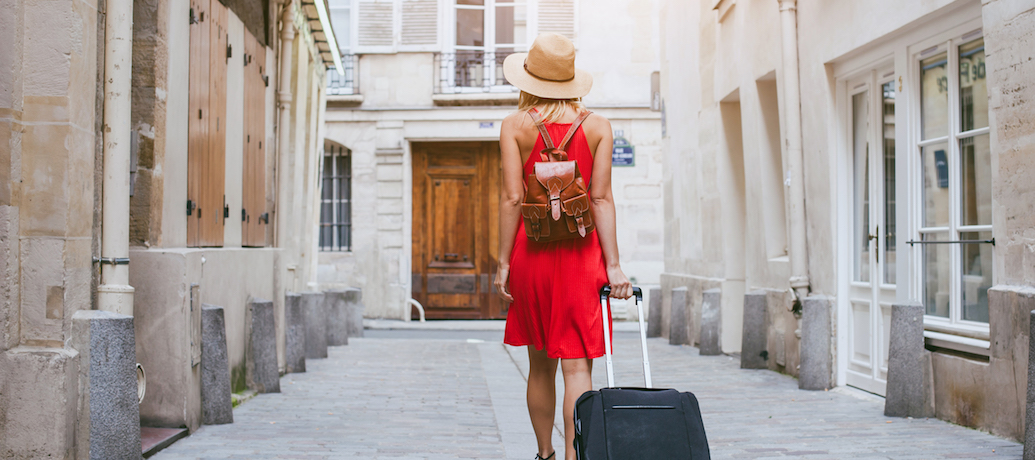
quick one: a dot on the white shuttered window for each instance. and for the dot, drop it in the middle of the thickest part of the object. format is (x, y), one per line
(389, 26)
(557, 16)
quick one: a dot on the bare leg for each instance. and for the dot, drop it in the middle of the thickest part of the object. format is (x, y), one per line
(578, 379)
(542, 397)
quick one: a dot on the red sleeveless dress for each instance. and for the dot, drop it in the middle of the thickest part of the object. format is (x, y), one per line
(556, 285)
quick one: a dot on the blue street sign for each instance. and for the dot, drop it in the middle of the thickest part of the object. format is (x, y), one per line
(623, 154)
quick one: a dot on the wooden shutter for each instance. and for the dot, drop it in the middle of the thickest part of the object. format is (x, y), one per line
(557, 16)
(419, 25)
(197, 103)
(375, 26)
(206, 150)
(253, 206)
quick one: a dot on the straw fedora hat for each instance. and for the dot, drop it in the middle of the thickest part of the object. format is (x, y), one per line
(548, 69)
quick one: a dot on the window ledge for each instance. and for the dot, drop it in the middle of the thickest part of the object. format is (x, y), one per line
(958, 343)
(344, 100)
(465, 99)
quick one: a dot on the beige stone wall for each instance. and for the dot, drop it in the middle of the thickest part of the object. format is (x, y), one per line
(47, 150)
(1010, 42)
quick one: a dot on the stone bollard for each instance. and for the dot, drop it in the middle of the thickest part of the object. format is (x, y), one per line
(261, 373)
(294, 346)
(678, 332)
(109, 416)
(337, 317)
(315, 325)
(1029, 426)
(354, 303)
(753, 353)
(654, 314)
(711, 321)
(816, 367)
(907, 394)
(216, 406)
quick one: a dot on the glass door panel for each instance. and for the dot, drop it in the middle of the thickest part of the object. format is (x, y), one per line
(861, 185)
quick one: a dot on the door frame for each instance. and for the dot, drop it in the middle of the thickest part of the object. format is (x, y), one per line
(410, 150)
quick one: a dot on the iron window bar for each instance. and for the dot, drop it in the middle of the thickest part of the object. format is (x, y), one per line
(346, 81)
(991, 241)
(471, 71)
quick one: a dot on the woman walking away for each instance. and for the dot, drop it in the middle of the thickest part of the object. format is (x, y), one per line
(552, 260)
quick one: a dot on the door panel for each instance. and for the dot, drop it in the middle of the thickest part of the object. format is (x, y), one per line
(872, 201)
(455, 240)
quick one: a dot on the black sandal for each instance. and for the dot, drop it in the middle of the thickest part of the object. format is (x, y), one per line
(537, 457)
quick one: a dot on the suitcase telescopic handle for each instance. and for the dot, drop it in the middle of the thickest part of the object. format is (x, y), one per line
(605, 292)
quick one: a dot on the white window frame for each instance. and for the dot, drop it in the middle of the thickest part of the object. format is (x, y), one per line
(950, 40)
(489, 46)
(899, 47)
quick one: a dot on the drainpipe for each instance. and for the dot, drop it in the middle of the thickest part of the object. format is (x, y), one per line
(795, 179)
(114, 293)
(287, 36)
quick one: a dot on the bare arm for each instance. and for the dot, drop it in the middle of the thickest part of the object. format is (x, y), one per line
(603, 208)
(510, 201)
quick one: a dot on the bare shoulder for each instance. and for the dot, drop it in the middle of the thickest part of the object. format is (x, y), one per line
(515, 120)
(597, 124)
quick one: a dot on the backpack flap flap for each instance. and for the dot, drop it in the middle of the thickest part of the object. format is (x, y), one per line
(555, 176)
(579, 218)
(535, 218)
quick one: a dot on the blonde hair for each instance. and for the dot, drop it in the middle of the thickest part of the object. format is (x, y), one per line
(551, 110)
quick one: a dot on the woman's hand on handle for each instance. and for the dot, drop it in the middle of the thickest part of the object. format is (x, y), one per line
(621, 288)
(502, 285)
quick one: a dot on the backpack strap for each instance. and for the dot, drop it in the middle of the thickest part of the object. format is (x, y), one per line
(574, 127)
(546, 134)
(542, 128)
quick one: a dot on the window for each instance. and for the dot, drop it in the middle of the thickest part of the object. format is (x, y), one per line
(955, 221)
(342, 81)
(336, 200)
(486, 32)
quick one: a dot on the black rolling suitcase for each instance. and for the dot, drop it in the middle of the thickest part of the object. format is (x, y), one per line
(637, 423)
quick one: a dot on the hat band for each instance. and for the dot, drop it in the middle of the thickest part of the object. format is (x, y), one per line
(530, 72)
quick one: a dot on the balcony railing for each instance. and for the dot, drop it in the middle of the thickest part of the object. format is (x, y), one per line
(344, 83)
(471, 72)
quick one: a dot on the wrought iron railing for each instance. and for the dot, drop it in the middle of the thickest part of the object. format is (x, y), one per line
(346, 82)
(471, 72)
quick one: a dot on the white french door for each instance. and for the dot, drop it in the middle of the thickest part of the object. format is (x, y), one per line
(871, 201)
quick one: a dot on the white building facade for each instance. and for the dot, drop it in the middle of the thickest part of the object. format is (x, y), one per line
(864, 154)
(416, 127)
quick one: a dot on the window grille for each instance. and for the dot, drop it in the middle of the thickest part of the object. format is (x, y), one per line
(336, 199)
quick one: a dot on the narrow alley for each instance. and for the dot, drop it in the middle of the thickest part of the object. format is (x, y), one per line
(438, 394)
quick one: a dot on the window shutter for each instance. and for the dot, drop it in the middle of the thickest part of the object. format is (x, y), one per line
(419, 25)
(375, 26)
(557, 16)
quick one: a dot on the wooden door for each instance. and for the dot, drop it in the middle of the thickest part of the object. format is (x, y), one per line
(456, 187)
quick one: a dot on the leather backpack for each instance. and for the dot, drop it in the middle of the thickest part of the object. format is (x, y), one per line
(556, 205)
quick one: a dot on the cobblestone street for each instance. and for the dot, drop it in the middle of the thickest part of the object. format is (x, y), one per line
(456, 394)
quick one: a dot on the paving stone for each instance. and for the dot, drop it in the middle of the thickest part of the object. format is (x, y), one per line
(216, 405)
(389, 398)
(294, 347)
